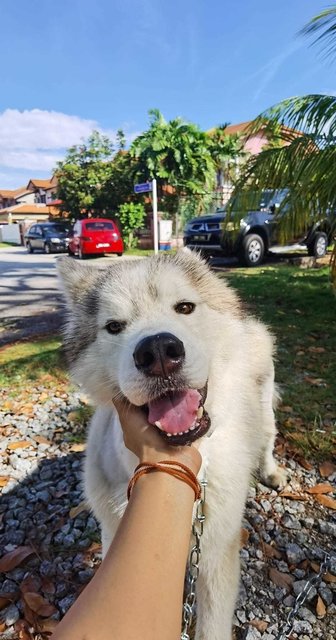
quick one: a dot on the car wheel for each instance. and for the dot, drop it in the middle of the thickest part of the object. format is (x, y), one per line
(29, 248)
(318, 247)
(252, 251)
(47, 248)
(119, 255)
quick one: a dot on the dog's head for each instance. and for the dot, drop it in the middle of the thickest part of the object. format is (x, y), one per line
(148, 329)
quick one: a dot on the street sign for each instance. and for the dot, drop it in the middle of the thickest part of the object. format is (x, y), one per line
(143, 187)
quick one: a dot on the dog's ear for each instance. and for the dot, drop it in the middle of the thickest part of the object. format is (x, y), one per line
(214, 290)
(76, 279)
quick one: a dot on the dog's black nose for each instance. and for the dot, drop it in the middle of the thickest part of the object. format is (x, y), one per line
(159, 355)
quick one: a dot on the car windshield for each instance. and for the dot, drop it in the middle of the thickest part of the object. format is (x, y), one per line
(256, 200)
(56, 228)
(99, 226)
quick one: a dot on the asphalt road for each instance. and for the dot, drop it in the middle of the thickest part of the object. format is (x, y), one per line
(30, 300)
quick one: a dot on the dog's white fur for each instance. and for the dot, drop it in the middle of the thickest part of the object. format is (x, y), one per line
(223, 346)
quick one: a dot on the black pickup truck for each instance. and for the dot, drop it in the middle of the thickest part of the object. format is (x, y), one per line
(256, 236)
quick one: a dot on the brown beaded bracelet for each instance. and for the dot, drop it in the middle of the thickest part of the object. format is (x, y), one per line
(173, 468)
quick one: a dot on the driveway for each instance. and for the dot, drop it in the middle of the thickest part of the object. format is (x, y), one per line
(30, 301)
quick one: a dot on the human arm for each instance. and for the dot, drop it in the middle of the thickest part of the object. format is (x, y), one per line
(138, 590)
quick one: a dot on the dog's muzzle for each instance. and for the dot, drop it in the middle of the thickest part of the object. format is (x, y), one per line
(175, 410)
(159, 355)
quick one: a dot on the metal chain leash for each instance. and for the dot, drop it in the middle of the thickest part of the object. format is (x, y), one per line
(193, 573)
(193, 565)
(302, 597)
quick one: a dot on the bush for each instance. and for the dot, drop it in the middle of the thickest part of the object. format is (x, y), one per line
(131, 217)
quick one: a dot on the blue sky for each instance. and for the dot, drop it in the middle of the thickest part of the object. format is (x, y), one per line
(68, 66)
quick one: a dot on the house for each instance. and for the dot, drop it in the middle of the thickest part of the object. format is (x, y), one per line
(29, 204)
(253, 143)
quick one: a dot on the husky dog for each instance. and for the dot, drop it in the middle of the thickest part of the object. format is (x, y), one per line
(170, 335)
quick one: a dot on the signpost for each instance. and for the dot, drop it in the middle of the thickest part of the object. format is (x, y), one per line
(144, 187)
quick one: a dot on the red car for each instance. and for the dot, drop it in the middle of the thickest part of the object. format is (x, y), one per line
(93, 236)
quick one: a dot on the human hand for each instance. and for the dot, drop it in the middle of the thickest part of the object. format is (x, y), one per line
(145, 442)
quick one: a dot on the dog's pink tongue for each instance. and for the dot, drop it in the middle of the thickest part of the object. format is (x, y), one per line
(176, 412)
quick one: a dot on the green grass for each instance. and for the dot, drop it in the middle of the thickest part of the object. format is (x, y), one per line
(5, 245)
(39, 361)
(144, 252)
(299, 306)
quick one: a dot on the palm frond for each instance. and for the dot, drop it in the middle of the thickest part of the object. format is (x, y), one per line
(314, 114)
(324, 27)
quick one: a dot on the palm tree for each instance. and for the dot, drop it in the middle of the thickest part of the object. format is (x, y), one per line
(226, 151)
(176, 153)
(305, 160)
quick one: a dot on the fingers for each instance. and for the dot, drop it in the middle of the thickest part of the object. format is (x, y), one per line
(144, 440)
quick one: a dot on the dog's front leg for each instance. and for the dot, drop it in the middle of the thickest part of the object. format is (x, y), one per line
(217, 590)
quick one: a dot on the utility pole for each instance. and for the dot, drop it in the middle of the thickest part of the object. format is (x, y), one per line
(155, 216)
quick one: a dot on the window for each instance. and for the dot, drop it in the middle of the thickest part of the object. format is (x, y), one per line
(99, 226)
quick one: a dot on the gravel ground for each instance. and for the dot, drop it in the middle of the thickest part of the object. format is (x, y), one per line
(49, 549)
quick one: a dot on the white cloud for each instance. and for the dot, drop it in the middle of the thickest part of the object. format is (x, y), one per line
(35, 140)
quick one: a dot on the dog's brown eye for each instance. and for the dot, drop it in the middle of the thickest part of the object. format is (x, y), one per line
(115, 326)
(185, 307)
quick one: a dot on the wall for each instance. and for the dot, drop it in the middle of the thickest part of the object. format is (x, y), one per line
(10, 233)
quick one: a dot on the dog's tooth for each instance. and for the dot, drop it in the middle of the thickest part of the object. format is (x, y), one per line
(158, 424)
(200, 412)
(192, 428)
(169, 435)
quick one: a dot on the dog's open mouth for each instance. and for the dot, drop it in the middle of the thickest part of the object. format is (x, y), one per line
(180, 416)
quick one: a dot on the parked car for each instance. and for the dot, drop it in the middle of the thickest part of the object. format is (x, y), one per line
(93, 236)
(256, 236)
(48, 237)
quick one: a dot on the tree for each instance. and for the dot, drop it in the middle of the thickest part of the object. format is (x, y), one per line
(305, 160)
(131, 217)
(177, 154)
(82, 176)
(92, 178)
(226, 152)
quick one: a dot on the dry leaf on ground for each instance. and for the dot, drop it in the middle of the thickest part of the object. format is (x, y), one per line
(270, 551)
(78, 446)
(75, 511)
(292, 496)
(283, 580)
(4, 480)
(260, 625)
(23, 444)
(14, 558)
(326, 501)
(8, 598)
(327, 468)
(304, 463)
(327, 577)
(42, 440)
(320, 488)
(38, 604)
(244, 537)
(320, 608)
(47, 625)
(27, 410)
(30, 583)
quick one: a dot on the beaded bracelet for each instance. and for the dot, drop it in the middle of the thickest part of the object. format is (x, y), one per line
(173, 468)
